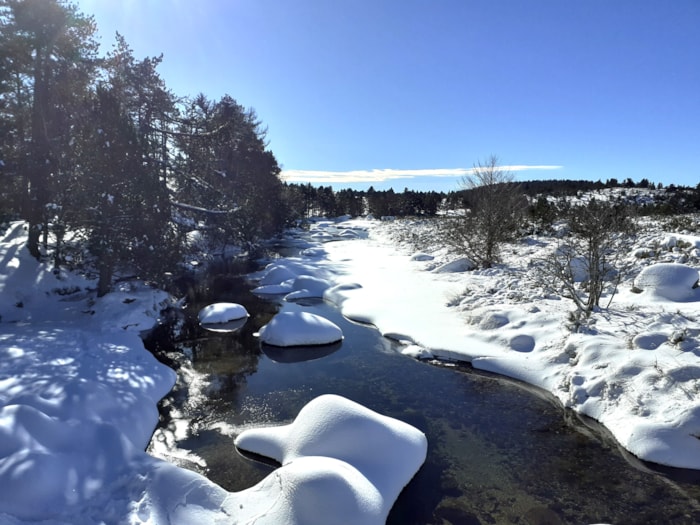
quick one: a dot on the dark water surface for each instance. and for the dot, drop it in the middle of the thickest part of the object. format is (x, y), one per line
(498, 453)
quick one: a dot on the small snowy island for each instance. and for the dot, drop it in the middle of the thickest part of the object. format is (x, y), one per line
(219, 313)
(300, 329)
(347, 465)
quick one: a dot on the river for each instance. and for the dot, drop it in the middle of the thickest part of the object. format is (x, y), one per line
(499, 452)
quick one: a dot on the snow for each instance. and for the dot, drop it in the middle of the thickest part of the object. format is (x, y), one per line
(78, 391)
(307, 287)
(671, 281)
(359, 459)
(276, 274)
(461, 264)
(291, 281)
(218, 313)
(634, 367)
(78, 396)
(300, 329)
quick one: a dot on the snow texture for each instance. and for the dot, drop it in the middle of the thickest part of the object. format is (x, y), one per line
(78, 395)
(222, 313)
(347, 463)
(300, 329)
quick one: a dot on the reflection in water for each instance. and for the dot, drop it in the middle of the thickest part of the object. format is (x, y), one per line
(497, 453)
(229, 327)
(297, 354)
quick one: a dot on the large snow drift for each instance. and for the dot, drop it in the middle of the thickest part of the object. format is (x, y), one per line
(672, 281)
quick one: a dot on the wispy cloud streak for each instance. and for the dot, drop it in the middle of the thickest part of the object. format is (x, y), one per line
(381, 175)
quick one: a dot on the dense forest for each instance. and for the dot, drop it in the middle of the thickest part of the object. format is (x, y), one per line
(99, 146)
(112, 170)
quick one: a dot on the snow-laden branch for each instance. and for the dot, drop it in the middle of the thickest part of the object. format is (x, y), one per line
(199, 209)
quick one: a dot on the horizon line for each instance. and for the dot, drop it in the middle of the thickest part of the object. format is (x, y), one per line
(385, 174)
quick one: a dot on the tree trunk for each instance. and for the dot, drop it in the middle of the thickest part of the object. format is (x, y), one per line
(39, 165)
(104, 283)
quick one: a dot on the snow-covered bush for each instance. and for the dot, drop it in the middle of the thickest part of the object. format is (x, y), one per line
(672, 281)
(590, 257)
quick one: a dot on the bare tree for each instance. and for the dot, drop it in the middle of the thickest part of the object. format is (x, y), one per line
(494, 210)
(589, 259)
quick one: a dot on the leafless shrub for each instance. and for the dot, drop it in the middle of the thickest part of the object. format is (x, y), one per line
(589, 259)
(495, 208)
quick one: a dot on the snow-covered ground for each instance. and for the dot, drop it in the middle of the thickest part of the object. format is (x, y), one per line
(635, 367)
(78, 396)
(78, 392)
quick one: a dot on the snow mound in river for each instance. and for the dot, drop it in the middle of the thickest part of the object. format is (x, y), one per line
(347, 463)
(300, 329)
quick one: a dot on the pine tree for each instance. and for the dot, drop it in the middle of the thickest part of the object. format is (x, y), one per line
(226, 172)
(53, 50)
(124, 208)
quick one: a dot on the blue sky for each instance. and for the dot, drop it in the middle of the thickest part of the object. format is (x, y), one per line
(411, 93)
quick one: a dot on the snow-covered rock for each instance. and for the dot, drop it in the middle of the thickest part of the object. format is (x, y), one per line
(300, 329)
(275, 274)
(671, 281)
(462, 264)
(669, 242)
(222, 313)
(344, 463)
(307, 286)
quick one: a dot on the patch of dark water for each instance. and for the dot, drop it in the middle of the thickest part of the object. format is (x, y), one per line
(497, 452)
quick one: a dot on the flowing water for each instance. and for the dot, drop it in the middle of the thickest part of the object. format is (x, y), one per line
(498, 451)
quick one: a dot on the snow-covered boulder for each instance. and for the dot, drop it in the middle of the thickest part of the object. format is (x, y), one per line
(307, 286)
(282, 288)
(669, 242)
(300, 329)
(344, 463)
(275, 274)
(642, 253)
(460, 265)
(314, 252)
(672, 281)
(348, 234)
(421, 257)
(222, 313)
(322, 236)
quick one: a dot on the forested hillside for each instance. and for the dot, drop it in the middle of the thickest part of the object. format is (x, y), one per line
(100, 147)
(111, 170)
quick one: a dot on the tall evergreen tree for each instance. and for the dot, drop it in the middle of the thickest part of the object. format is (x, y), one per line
(53, 54)
(123, 208)
(226, 171)
(143, 95)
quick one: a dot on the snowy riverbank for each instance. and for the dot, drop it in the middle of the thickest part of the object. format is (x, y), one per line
(78, 392)
(78, 396)
(635, 368)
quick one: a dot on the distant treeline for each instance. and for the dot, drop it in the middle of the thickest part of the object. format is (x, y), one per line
(307, 200)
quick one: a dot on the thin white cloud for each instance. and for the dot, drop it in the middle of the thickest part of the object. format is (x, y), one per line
(381, 175)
